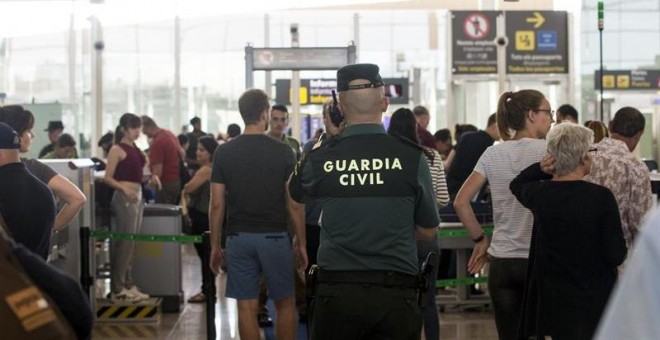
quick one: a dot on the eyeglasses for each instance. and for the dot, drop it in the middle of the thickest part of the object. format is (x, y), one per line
(550, 113)
(594, 150)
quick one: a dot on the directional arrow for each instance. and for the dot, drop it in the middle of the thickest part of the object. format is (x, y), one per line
(538, 20)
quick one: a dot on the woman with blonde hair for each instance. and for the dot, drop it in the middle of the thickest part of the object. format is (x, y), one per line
(523, 119)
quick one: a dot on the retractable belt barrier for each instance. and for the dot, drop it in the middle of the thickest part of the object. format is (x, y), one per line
(86, 278)
(87, 234)
(109, 235)
(462, 232)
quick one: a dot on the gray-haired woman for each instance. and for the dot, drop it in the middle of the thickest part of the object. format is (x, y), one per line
(577, 241)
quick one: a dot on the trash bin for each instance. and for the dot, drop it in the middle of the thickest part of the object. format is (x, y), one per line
(157, 265)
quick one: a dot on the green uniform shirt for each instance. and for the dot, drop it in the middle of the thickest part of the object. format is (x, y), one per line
(294, 144)
(374, 190)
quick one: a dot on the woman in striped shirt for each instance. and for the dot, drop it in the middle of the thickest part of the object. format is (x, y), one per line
(403, 125)
(523, 119)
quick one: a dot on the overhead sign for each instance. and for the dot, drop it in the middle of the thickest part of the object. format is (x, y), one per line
(317, 91)
(317, 58)
(473, 34)
(629, 80)
(538, 42)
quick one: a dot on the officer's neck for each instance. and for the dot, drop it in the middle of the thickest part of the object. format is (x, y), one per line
(364, 119)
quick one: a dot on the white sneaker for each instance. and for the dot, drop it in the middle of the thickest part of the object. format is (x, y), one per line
(137, 294)
(124, 296)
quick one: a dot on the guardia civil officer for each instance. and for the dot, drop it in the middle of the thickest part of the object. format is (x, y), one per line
(376, 194)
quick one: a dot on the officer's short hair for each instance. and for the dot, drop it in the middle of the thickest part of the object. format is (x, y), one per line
(356, 96)
(627, 122)
(252, 104)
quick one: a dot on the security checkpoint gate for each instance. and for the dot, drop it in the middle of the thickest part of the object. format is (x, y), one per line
(497, 51)
(296, 59)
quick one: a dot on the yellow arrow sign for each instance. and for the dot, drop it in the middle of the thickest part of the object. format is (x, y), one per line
(538, 20)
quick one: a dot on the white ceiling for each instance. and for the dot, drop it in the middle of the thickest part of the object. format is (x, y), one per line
(28, 17)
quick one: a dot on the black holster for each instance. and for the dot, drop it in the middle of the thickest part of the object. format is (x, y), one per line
(311, 283)
(425, 279)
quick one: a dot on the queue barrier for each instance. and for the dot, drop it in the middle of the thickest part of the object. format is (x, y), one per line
(111, 235)
(87, 280)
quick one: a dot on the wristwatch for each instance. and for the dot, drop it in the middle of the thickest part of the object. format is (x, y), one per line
(479, 239)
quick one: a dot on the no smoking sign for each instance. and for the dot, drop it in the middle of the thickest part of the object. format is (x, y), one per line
(476, 26)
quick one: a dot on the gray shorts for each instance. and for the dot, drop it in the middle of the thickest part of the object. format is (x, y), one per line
(251, 254)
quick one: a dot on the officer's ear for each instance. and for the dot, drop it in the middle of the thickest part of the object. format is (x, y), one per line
(385, 104)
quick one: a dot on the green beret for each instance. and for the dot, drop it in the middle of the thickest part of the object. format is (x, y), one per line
(349, 73)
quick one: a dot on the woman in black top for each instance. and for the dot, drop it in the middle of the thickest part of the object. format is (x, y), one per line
(577, 242)
(199, 190)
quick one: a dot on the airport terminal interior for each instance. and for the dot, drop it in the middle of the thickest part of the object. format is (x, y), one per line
(79, 66)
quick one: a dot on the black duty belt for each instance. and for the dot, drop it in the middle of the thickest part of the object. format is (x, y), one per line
(381, 278)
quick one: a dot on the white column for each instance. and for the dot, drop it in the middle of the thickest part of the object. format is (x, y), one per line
(97, 80)
(178, 120)
(294, 117)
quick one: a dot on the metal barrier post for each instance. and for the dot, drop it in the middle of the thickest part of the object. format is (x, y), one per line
(210, 295)
(86, 279)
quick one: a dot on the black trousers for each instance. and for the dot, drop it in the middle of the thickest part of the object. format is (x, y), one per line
(506, 284)
(431, 317)
(363, 311)
(200, 225)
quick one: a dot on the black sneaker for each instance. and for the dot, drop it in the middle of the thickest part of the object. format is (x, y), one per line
(264, 320)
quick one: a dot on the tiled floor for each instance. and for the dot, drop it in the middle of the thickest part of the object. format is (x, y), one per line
(190, 323)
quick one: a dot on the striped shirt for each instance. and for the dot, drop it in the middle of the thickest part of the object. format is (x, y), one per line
(438, 178)
(500, 164)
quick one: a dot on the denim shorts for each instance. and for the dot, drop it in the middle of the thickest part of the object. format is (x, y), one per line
(249, 255)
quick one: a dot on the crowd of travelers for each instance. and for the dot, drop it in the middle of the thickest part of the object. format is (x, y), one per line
(567, 201)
